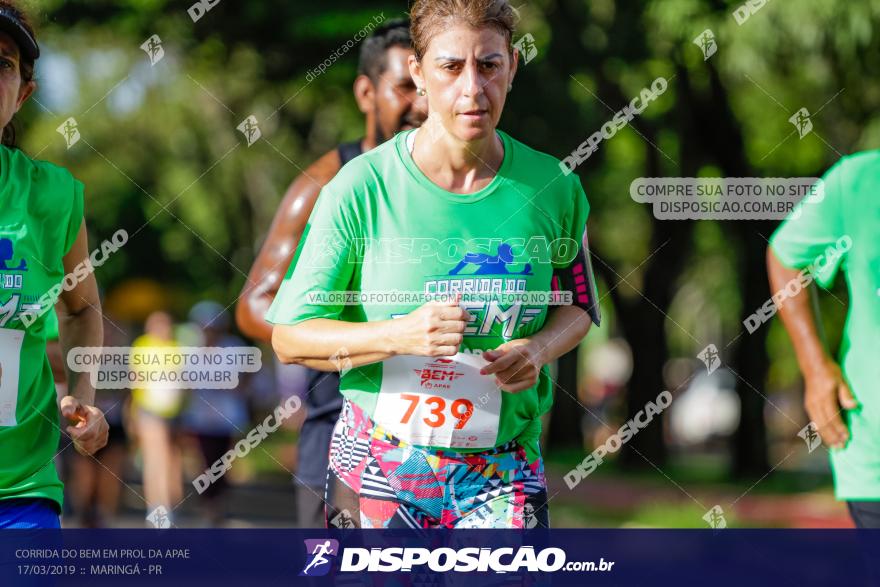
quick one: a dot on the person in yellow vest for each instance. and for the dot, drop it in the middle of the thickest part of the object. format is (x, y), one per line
(156, 410)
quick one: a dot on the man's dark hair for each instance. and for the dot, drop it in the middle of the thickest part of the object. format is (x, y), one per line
(394, 33)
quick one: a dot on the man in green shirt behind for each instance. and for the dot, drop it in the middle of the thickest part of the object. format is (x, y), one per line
(842, 398)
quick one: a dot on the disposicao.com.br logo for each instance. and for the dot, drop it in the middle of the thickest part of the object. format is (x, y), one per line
(440, 560)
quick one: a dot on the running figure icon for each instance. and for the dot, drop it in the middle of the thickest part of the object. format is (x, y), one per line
(319, 553)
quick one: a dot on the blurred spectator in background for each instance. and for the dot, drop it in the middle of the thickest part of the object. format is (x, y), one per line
(215, 416)
(608, 369)
(156, 411)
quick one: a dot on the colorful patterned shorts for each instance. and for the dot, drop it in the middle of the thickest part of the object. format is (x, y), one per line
(376, 480)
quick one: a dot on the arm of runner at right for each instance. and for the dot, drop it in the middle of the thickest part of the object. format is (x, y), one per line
(827, 392)
(435, 329)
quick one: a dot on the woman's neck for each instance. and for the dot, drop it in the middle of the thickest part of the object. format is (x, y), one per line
(454, 165)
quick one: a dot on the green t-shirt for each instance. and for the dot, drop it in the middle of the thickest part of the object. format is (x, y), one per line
(41, 209)
(51, 326)
(382, 226)
(843, 231)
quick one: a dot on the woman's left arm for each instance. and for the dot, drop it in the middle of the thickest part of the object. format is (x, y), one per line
(517, 363)
(80, 325)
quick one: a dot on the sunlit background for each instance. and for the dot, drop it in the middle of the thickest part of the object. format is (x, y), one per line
(161, 157)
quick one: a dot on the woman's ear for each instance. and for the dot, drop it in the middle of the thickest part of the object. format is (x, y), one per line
(415, 70)
(25, 92)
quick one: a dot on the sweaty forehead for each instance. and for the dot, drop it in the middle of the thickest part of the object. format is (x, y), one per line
(462, 41)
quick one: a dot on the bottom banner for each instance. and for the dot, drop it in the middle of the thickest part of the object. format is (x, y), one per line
(435, 557)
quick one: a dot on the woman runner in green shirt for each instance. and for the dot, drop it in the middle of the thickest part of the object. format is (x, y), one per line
(443, 397)
(42, 239)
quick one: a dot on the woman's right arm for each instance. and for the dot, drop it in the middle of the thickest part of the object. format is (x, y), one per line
(312, 343)
(434, 329)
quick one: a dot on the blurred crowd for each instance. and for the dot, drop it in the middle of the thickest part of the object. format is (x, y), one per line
(162, 439)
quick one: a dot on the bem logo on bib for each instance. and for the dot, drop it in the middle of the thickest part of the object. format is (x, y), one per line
(434, 402)
(438, 374)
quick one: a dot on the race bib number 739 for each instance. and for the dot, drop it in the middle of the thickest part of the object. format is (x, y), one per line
(431, 401)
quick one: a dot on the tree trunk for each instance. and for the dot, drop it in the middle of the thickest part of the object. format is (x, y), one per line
(565, 419)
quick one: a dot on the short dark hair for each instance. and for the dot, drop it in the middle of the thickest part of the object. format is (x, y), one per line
(394, 33)
(430, 17)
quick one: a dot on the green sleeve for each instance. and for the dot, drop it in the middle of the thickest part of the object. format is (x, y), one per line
(574, 224)
(76, 216)
(814, 225)
(321, 263)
